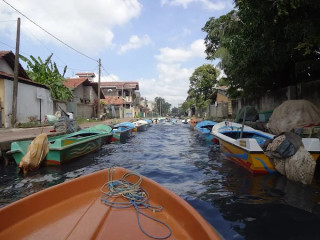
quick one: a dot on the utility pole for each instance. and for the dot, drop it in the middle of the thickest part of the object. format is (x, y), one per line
(15, 78)
(99, 78)
(122, 101)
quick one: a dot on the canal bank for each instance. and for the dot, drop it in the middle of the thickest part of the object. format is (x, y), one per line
(9, 135)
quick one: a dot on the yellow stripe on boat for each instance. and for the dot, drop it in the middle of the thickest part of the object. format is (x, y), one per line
(255, 162)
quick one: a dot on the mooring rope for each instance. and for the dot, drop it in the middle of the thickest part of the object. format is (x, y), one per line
(134, 195)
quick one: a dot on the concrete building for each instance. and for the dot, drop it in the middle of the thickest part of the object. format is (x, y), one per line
(33, 99)
(85, 101)
(122, 98)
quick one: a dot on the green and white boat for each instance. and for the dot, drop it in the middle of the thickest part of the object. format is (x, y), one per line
(66, 147)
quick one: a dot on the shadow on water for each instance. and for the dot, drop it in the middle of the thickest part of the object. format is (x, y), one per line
(238, 204)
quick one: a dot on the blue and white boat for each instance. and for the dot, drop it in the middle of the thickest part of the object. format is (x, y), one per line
(140, 125)
(204, 129)
(149, 121)
(122, 131)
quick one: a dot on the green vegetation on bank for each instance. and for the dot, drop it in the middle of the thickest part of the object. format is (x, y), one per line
(266, 45)
(47, 73)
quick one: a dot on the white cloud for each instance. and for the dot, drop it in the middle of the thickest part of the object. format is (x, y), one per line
(196, 49)
(172, 82)
(108, 78)
(206, 4)
(134, 43)
(84, 25)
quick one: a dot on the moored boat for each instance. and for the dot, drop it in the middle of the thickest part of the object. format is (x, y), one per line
(122, 131)
(194, 121)
(149, 121)
(243, 146)
(185, 121)
(141, 125)
(161, 120)
(69, 146)
(86, 208)
(104, 128)
(204, 129)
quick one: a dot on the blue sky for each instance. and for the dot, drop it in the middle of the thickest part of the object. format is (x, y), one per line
(158, 43)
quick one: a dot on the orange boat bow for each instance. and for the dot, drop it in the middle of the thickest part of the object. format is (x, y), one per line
(73, 210)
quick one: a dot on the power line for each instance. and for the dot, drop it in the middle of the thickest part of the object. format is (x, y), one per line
(6, 45)
(107, 72)
(50, 33)
(68, 68)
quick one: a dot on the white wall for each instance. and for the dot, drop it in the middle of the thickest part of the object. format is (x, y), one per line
(4, 67)
(27, 102)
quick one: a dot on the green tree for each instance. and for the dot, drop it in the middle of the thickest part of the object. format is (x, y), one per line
(47, 73)
(202, 82)
(175, 111)
(186, 105)
(266, 45)
(162, 107)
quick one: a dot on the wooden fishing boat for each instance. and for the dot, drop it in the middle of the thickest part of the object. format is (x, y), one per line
(185, 121)
(141, 125)
(204, 129)
(69, 146)
(104, 128)
(149, 121)
(122, 131)
(161, 120)
(78, 209)
(245, 148)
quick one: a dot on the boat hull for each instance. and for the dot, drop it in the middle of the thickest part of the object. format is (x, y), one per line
(253, 160)
(256, 162)
(69, 146)
(122, 136)
(57, 156)
(73, 210)
(142, 128)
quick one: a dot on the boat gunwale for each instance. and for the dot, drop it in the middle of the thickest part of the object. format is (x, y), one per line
(234, 140)
(77, 143)
(125, 130)
(242, 148)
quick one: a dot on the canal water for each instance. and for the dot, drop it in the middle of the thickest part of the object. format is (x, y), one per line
(236, 203)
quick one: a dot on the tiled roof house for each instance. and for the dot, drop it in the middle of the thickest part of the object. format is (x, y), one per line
(121, 97)
(85, 101)
(83, 89)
